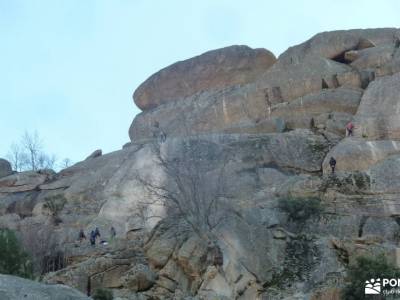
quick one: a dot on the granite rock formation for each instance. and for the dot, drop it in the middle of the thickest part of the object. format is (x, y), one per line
(280, 121)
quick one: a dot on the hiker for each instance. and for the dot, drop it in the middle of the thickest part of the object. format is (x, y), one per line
(215, 256)
(163, 136)
(113, 233)
(97, 233)
(92, 238)
(349, 129)
(81, 236)
(158, 133)
(332, 163)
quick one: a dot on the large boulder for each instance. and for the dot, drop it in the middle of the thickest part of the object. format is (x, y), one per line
(230, 110)
(12, 288)
(5, 168)
(334, 44)
(212, 70)
(243, 110)
(370, 58)
(378, 114)
(391, 67)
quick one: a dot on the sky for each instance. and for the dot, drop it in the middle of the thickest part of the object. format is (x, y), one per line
(68, 68)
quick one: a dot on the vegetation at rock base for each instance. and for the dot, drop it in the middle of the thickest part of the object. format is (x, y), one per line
(301, 255)
(300, 209)
(102, 294)
(55, 204)
(366, 268)
(13, 259)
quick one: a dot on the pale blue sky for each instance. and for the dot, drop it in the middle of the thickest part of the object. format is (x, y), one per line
(69, 68)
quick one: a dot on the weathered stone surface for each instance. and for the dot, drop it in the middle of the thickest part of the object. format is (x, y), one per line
(24, 181)
(5, 168)
(390, 67)
(325, 101)
(327, 294)
(212, 70)
(385, 177)
(139, 278)
(102, 266)
(279, 129)
(96, 153)
(354, 154)
(221, 111)
(333, 44)
(12, 288)
(287, 81)
(332, 108)
(250, 108)
(317, 64)
(370, 58)
(21, 203)
(378, 114)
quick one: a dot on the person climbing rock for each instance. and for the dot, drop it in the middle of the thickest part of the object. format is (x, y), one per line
(113, 233)
(332, 163)
(163, 136)
(158, 133)
(349, 129)
(81, 236)
(92, 238)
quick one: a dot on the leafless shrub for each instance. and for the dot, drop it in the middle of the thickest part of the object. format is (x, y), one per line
(195, 187)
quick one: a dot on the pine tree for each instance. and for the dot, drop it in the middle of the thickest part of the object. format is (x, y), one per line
(13, 259)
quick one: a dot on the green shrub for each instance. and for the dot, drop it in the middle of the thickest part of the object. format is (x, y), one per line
(13, 259)
(102, 294)
(366, 268)
(300, 209)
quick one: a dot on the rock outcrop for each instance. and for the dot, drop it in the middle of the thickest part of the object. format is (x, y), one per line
(95, 154)
(5, 168)
(209, 71)
(12, 288)
(279, 122)
(378, 114)
(348, 60)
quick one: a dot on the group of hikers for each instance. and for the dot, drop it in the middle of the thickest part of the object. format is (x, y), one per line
(95, 234)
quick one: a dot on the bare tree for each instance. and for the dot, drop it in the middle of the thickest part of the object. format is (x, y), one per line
(195, 182)
(65, 163)
(45, 161)
(29, 154)
(17, 157)
(33, 146)
(40, 241)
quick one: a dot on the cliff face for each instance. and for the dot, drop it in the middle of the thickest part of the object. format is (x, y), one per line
(281, 121)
